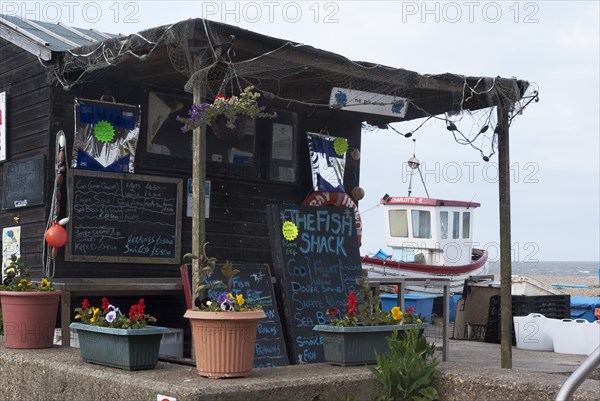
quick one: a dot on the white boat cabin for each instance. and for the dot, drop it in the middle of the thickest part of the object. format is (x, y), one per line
(429, 231)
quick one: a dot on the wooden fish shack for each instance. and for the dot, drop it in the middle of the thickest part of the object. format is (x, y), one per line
(57, 161)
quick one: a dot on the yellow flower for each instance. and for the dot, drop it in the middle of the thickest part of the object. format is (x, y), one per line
(240, 299)
(95, 312)
(24, 283)
(45, 283)
(229, 296)
(396, 313)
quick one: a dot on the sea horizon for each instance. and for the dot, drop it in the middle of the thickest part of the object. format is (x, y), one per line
(550, 268)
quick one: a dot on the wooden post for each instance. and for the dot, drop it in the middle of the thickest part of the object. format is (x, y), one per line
(198, 180)
(505, 238)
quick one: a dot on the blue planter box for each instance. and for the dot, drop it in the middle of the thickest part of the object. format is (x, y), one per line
(135, 349)
(357, 345)
(422, 302)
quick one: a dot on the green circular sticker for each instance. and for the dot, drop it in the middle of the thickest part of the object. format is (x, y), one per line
(289, 230)
(104, 131)
(340, 145)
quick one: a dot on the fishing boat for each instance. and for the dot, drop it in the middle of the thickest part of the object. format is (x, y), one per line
(429, 238)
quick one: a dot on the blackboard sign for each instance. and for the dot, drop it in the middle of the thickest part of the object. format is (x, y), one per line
(254, 283)
(124, 218)
(24, 182)
(317, 263)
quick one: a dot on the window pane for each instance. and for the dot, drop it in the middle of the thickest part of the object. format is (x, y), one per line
(466, 224)
(421, 224)
(455, 224)
(444, 224)
(398, 223)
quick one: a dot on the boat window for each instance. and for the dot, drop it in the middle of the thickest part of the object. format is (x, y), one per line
(398, 223)
(421, 224)
(455, 224)
(444, 224)
(466, 224)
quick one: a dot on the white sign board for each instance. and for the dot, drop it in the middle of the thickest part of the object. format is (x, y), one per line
(2, 126)
(11, 246)
(367, 102)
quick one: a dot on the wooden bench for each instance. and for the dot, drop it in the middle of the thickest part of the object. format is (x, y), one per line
(89, 287)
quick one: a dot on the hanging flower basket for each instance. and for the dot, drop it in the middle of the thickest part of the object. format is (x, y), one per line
(228, 133)
(228, 117)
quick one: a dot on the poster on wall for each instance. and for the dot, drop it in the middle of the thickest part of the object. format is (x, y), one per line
(106, 136)
(11, 245)
(190, 195)
(327, 161)
(2, 126)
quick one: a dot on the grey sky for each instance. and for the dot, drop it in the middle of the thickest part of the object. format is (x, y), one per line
(554, 144)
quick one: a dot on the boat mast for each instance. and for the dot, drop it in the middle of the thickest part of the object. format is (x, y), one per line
(414, 164)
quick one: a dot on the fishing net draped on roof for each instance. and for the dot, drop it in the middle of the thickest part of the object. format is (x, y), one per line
(227, 58)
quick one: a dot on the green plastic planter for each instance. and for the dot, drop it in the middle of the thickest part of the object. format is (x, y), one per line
(135, 349)
(349, 346)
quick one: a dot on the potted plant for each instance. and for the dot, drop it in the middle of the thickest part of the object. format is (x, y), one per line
(360, 334)
(28, 309)
(224, 325)
(228, 117)
(107, 337)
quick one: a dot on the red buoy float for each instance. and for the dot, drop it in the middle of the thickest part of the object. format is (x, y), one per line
(56, 235)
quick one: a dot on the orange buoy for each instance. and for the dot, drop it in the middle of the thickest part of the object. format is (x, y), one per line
(56, 235)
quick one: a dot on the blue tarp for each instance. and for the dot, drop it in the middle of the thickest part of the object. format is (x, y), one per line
(583, 308)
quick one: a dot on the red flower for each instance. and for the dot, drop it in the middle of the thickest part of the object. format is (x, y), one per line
(410, 309)
(137, 311)
(351, 305)
(85, 304)
(105, 304)
(332, 312)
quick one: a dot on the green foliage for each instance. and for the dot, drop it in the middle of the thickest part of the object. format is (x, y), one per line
(246, 104)
(108, 315)
(364, 310)
(226, 301)
(17, 278)
(406, 372)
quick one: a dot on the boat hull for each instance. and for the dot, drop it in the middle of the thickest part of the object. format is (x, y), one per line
(377, 268)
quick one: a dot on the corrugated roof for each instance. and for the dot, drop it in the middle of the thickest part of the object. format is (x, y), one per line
(56, 37)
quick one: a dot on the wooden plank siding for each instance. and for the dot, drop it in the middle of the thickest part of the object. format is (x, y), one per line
(236, 229)
(24, 80)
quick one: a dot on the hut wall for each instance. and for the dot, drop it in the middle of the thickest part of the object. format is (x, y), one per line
(24, 80)
(236, 228)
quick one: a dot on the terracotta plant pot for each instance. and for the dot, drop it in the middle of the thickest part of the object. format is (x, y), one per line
(29, 318)
(224, 342)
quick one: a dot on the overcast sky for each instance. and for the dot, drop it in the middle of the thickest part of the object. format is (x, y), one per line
(554, 144)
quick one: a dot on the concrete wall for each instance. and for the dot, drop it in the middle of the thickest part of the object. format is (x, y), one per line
(59, 374)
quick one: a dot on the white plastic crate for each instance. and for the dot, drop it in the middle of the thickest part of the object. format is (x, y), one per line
(74, 338)
(535, 332)
(577, 336)
(172, 343)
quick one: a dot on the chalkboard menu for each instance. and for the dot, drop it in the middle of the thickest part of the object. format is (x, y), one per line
(317, 263)
(124, 218)
(23, 182)
(254, 283)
